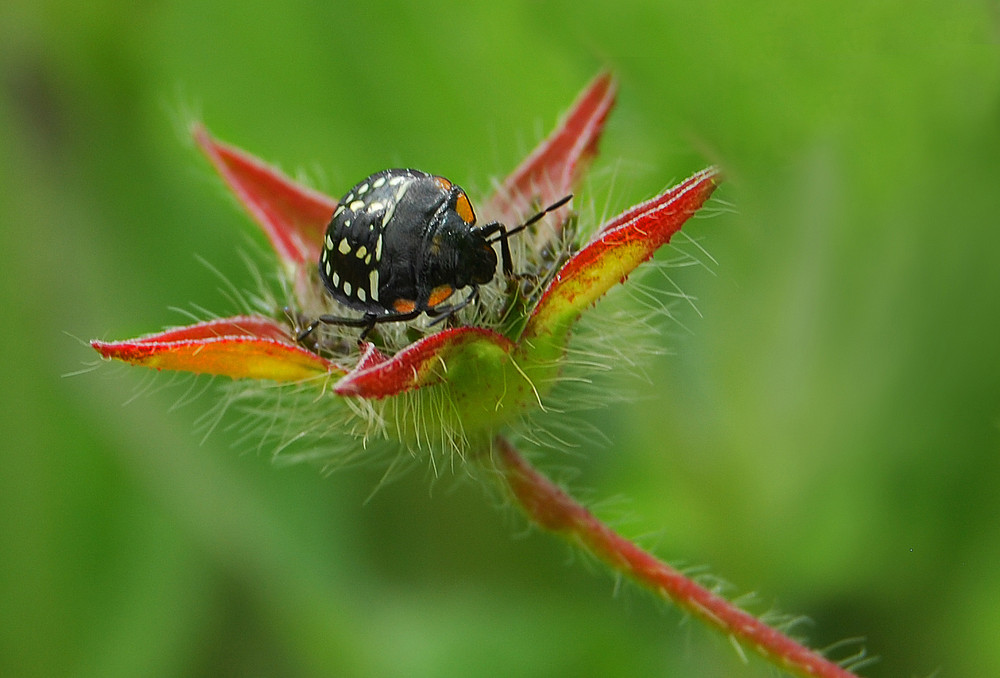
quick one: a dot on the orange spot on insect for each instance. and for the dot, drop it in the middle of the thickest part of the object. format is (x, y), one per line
(464, 209)
(404, 305)
(443, 183)
(439, 294)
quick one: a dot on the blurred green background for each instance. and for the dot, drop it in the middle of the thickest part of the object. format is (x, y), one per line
(824, 432)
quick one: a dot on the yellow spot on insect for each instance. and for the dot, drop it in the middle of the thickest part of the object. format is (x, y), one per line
(361, 293)
(375, 207)
(363, 189)
(361, 252)
(378, 183)
(378, 248)
(347, 288)
(344, 247)
(335, 279)
(373, 283)
(357, 205)
(329, 242)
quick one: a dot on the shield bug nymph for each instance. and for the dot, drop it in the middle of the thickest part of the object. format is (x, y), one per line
(402, 242)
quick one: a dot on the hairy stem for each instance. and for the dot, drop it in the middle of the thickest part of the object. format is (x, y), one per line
(554, 510)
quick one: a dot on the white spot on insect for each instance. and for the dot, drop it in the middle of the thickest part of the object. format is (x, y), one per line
(327, 267)
(397, 180)
(368, 260)
(378, 183)
(400, 192)
(347, 223)
(329, 244)
(357, 205)
(344, 247)
(349, 198)
(363, 189)
(340, 209)
(378, 248)
(347, 288)
(361, 293)
(373, 283)
(335, 279)
(374, 207)
(361, 252)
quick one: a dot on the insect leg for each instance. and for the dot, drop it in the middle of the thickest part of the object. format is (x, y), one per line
(367, 321)
(493, 228)
(504, 233)
(442, 313)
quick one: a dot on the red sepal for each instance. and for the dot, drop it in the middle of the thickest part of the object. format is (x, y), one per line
(239, 347)
(293, 216)
(552, 169)
(422, 363)
(619, 247)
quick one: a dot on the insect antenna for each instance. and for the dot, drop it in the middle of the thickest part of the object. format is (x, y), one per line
(503, 235)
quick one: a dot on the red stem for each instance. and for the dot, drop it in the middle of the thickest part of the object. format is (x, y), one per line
(555, 510)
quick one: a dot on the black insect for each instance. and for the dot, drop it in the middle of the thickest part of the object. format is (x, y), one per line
(402, 242)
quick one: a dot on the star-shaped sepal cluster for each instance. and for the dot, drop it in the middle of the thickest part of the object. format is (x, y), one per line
(486, 373)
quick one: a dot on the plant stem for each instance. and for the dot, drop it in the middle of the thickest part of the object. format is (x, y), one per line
(554, 510)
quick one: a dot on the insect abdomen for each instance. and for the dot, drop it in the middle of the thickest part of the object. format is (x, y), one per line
(356, 264)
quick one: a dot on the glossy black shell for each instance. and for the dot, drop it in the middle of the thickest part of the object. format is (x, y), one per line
(403, 240)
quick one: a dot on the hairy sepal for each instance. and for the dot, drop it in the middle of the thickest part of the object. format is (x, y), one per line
(253, 347)
(555, 165)
(294, 217)
(618, 248)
